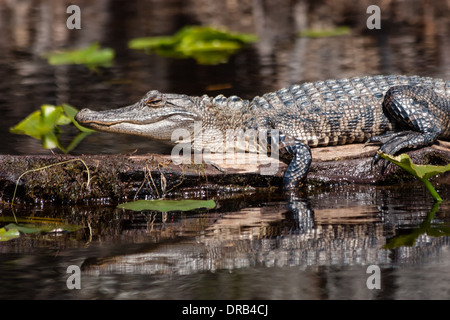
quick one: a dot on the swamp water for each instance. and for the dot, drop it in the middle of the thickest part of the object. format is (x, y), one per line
(251, 246)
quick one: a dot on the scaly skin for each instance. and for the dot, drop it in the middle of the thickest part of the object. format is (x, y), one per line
(397, 111)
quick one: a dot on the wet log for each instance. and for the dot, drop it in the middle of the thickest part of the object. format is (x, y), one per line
(114, 177)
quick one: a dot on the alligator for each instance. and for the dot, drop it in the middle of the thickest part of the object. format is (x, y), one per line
(396, 111)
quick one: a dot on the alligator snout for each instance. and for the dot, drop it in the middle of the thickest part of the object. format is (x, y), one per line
(84, 115)
(88, 117)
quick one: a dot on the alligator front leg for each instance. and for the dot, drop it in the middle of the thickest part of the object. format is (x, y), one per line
(298, 168)
(408, 107)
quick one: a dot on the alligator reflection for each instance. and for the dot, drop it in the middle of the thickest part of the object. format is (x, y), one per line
(278, 234)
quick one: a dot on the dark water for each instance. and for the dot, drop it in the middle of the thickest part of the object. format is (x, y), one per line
(254, 246)
(257, 245)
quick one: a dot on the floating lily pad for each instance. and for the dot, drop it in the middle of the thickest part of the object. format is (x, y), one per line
(45, 123)
(92, 57)
(422, 172)
(206, 45)
(8, 234)
(168, 205)
(43, 227)
(13, 230)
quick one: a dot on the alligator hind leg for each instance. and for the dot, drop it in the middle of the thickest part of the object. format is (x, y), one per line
(409, 108)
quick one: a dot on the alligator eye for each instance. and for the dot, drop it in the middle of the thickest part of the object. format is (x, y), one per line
(154, 103)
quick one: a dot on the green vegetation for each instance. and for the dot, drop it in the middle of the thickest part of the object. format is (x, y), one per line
(326, 33)
(8, 234)
(44, 124)
(33, 226)
(92, 57)
(425, 227)
(206, 45)
(421, 172)
(163, 205)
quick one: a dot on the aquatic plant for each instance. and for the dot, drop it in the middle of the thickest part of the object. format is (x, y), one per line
(44, 124)
(207, 45)
(164, 205)
(92, 57)
(33, 225)
(427, 227)
(421, 172)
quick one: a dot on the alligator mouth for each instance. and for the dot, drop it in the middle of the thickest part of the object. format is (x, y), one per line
(158, 126)
(110, 118)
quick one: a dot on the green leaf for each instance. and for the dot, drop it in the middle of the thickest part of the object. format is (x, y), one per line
(439, 231)
(44, 125)
(425, 227)
(30, 126)
(8, 234)
(40, 122)
(42, 227)
(50, 141)
(152, 43)
(419, 171)
(403, 241)
(422, 172)
(206, 45)
(168, 205)
(24, 228)
(75, 142)
(70, 113)
(91, 56)
(13, 231)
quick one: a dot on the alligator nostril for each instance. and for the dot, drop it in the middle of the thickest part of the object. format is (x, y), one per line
(82, 115)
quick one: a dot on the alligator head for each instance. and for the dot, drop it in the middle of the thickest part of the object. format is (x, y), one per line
(155, 116)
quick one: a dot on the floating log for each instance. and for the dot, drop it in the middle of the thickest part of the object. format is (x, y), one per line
(118, 177)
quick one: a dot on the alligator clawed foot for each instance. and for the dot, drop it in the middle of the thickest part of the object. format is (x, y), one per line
(392, 143)
(384, 164)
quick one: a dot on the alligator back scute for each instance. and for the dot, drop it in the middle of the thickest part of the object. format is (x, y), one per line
(335, 111)
(233, 103)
